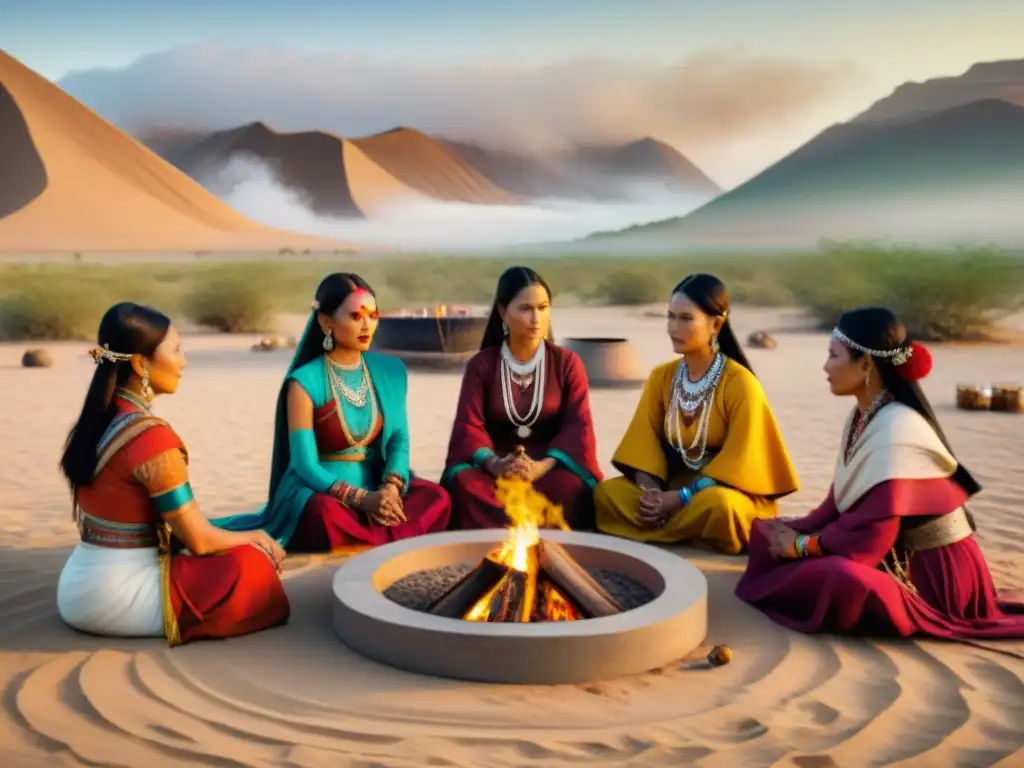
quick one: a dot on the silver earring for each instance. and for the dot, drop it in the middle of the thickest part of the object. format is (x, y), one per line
(504, 328)
(713, 343)
(328, 341)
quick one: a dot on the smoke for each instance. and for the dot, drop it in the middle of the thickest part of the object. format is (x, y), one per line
(251, 187)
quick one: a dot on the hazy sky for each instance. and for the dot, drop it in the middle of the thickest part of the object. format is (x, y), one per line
(733, 84)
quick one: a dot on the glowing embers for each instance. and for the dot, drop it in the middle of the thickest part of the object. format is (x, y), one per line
(525, 578)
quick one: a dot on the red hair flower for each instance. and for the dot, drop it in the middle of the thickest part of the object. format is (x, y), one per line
(918, 365)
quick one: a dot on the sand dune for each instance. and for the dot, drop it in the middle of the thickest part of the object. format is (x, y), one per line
(296, 697)
(422, 163)
(72, 181)
(593, 171)
(336, 176)
(332, 175)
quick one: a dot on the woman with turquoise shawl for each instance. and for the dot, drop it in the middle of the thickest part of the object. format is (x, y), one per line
(340, 476)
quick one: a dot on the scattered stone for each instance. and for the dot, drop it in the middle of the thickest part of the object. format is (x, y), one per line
(720, 655)
(761, 340)
(271, 343)
(1008, 399)
(972, 398)
(419, 590)
(37, 358)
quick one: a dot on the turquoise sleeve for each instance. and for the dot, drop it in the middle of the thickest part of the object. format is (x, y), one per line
(305, 460)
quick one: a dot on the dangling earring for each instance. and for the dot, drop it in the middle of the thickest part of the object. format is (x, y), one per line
(147, 391)
(713, 344)
(328, 341)
(504, 328)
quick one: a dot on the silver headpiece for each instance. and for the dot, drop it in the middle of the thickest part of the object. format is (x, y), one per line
(103, 354)
(899, 356)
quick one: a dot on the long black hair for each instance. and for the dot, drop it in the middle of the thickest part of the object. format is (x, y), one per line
(512, 282)
(330, 294)
(708, 293)
(879, 329)
(129, 329)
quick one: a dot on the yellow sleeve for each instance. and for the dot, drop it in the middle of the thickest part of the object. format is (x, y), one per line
(642, 448)
(753, 458)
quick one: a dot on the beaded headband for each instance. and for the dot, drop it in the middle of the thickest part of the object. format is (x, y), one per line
(899, 356)
(103, 354)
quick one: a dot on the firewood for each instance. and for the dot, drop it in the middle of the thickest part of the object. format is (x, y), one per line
(468, 590)
(575, 583)
(510, 602)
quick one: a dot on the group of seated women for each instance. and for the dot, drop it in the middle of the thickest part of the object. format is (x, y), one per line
(702, 462)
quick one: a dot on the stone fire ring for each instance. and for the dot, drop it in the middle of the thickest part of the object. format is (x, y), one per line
(651, 636)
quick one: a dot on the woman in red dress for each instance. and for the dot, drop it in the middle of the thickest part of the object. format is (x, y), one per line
(128, 473)
(522, 390)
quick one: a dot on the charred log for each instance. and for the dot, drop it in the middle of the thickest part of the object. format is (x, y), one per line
(467, 591)
(575, 584)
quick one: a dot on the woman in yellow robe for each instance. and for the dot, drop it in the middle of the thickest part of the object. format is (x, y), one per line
(702, 459)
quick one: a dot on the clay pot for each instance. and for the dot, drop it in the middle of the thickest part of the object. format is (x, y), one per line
(609, 362)
(453, 334)
(1008, 399)
(36, 358)
(761, 340)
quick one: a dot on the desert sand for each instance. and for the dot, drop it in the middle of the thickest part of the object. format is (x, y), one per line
(295, 696)
(74, 182)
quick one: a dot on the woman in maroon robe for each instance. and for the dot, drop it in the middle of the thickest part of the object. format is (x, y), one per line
(891, 550)
(522, 390)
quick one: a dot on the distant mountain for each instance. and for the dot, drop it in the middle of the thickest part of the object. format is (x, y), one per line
(335, 176)
(70, 181)
(593, 171)
(999, 80)
(958, 173)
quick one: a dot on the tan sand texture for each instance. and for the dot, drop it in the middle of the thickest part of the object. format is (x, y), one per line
(71, 181)
(295, 696)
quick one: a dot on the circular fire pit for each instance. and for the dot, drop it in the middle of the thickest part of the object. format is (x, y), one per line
(430, 337)
(656, 633)
(610, 363)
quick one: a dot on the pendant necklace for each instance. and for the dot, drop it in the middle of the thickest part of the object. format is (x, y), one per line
(533, 371)
(687, 397)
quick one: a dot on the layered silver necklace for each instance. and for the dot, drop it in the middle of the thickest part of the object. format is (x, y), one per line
(687, 398)
(355, 395)
(533, 371)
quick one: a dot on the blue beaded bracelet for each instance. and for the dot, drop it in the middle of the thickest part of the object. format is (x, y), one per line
(687, 493)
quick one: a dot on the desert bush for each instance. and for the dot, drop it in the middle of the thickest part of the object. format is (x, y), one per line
(625, 287)
(57, 312)
(940, 296)
(232, 305)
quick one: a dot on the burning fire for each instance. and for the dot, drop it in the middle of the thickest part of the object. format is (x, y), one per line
(528, 512)
(441, 310)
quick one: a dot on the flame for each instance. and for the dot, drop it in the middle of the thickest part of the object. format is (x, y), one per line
(528, 511)
(441, 310)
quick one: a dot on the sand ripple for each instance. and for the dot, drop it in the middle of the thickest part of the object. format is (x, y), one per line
(295, 696)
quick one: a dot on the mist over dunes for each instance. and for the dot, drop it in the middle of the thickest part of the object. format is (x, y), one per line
(72, 181)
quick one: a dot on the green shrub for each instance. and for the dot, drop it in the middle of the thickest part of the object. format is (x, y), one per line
(59, 312)
(629, 288)
(232, 305)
